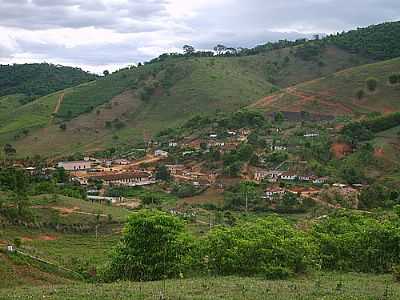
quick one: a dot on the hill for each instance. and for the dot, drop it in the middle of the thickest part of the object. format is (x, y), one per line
(344, 92)
(134, 103)
(131, 105)
(35, 80)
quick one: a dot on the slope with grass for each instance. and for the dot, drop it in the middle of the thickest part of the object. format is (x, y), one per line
(336, 94)
(123, 107)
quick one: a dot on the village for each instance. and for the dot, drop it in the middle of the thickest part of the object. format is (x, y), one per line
(201, 161)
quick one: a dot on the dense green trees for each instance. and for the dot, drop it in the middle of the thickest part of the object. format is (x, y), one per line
(154, 246)
(378, 41)
(39, 79)
(357, 131)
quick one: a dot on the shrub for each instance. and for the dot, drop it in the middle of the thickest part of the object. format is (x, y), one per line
(372, 84)
(357, 243)
(396, 272)
(154, 245)
(269, 247)
(360, 94)
(394, 78)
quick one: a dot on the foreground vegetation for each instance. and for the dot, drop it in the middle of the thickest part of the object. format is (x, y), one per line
(318, 286)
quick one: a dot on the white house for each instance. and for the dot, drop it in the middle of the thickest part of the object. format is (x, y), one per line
(278, 148)
(320, 180)
(121, 162)
(274, 192)
(75, 165)
(288, 176)
(160, 153)
(172, 144)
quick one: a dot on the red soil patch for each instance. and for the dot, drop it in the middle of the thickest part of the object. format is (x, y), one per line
(340, 150)
(47, 238)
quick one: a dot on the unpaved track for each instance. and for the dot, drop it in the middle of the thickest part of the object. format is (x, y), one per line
(57, 108)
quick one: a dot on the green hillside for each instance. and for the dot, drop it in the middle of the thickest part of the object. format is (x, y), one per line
(124, 106)
(133, 103)
(344, 92)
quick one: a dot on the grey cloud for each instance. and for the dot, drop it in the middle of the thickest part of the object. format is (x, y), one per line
(231, 22)
(47, 14)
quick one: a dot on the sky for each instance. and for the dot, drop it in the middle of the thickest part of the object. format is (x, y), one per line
(110, 34)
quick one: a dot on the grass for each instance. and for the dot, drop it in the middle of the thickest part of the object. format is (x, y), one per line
(75, 210)
(318, 286)
(336, 93)
(68, 250)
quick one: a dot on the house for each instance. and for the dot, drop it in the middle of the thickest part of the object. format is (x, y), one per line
(307, 135)
(121, 162)
(274, 193)
(278, 148)
(105, 199)
(232, 133)
(11, 248)
(260, 174)
(160, 153)
(75, 165)
(320, 180)
(175, 169)
(172, 144)
(137, 178)
(213, 136)
(288, 176)
(306, 177)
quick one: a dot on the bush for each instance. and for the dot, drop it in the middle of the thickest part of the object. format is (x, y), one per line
(360, 94)
(394, 78)
(154, 245)
(372, 84)
(269, 247)
(357, 243)
(396, 272)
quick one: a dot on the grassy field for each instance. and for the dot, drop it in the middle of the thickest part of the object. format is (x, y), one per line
(336, 93)
(318, 286)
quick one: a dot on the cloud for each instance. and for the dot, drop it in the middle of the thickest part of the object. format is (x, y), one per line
(97, 33)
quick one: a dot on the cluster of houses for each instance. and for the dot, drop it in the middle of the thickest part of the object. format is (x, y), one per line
(181, 173)
(275, 175)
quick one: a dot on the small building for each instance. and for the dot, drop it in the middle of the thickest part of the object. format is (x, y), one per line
(11, 248)
(172, 144)
(278, 148)
(274, 193)
(306, 177)
(160, 153)
(213, 136)
(320, 180)
(121, 162)
(307, 135)
(175, 169)
(75, 165)
(260, 174)
(288, 176)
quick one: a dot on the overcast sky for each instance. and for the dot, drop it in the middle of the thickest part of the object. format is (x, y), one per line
(109, 34)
